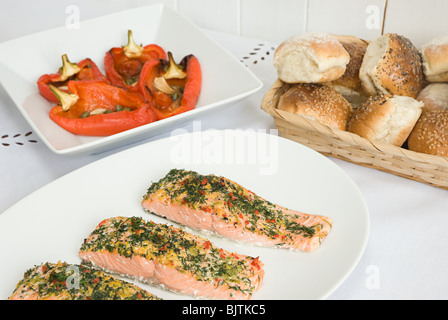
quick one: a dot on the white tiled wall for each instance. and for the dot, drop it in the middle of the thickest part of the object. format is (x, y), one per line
(257, 18)
(214, 14)
(362, 18)
(269, 20)
(418, 20)
(275, 20)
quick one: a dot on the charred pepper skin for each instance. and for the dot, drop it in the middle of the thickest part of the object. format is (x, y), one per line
(124, 64)
(169, 94)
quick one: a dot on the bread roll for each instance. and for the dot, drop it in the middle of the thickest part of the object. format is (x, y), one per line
(430, 134)
(386, 118)
(317, 102)
(435, 59)
(310, 58)
(434, 97)
(392, 65)
(349, 85)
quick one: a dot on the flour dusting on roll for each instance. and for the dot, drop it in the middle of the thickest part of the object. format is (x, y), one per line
(435, 59)
(386, 118)
(310, 58)
(434, 97)
(392, 65)
(318, 102)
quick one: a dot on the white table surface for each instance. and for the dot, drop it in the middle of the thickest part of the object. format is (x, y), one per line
(407, 253)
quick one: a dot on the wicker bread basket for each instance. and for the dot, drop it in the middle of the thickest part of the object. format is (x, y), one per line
(429, 169)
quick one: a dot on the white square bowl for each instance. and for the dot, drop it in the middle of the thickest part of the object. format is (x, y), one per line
(22, 61)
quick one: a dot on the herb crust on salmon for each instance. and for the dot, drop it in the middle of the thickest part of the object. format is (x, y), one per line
(63, 281)
(172, 258)
(222, 206)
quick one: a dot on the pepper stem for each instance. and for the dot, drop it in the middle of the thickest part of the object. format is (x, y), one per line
(68, 69)
(174, 70)
(65, 99)
(132, 50)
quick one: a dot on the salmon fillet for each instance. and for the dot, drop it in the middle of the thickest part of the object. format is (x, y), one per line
(62, 281)
(220, 205)
(171, 258)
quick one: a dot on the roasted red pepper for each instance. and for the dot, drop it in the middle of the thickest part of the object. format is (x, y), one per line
(84, 70)
(171, 88)
(124, 64)
(95, 108)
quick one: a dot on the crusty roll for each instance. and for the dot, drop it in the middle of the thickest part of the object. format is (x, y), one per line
(434, 97)
(310, 58)
(318, 102)
(430, 134)
(386, 118)
(349, 84)
(392, 65)
(435, 59)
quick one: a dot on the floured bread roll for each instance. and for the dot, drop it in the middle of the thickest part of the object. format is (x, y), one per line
(349, 85)
(392, 65)
(434, 97)
(310, 58)
(435, 59)
(318, 102)
(386, 118)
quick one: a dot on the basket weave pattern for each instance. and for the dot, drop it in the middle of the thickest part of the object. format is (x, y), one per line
(429, 169)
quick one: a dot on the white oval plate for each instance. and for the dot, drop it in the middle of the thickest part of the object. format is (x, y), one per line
(50, 224)
(224, 78)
